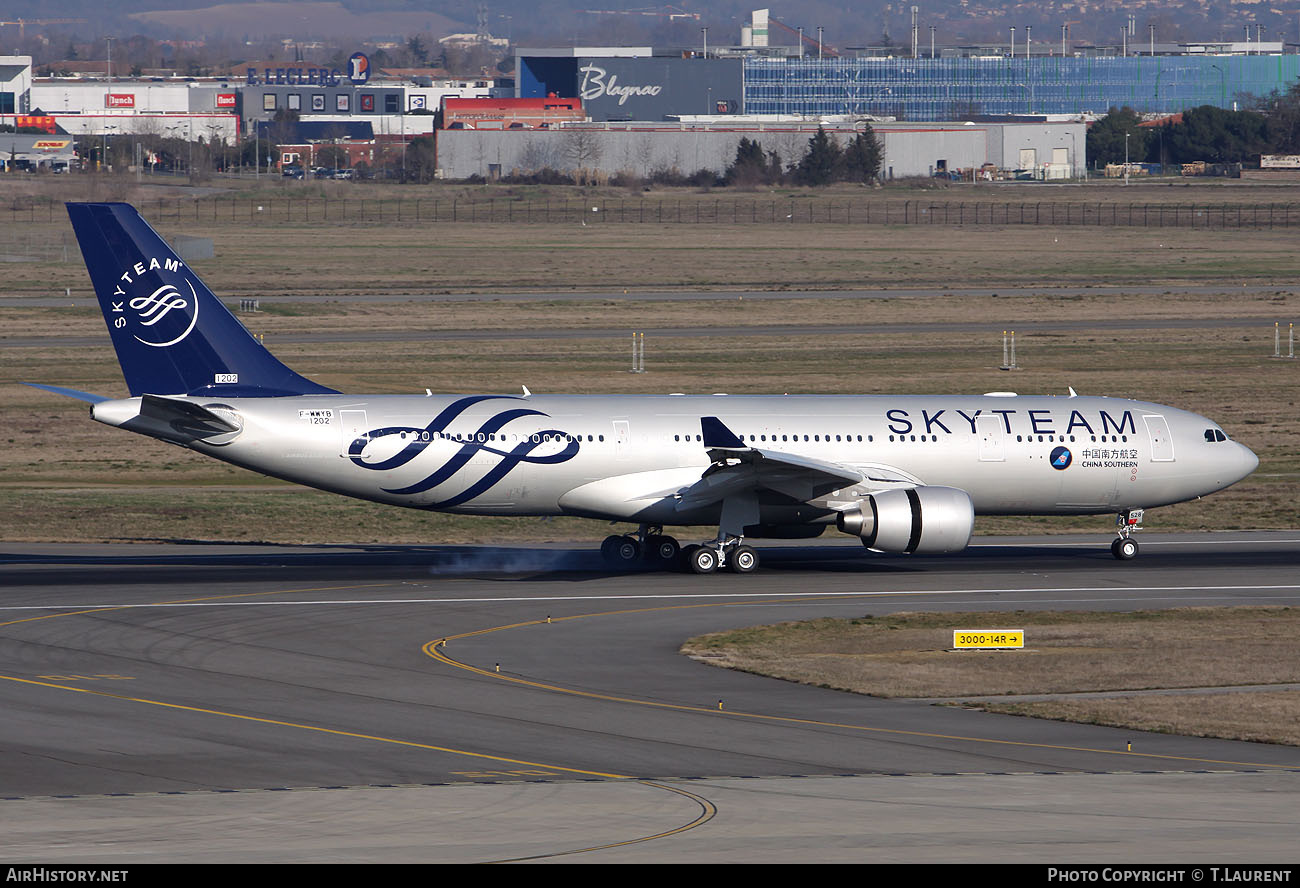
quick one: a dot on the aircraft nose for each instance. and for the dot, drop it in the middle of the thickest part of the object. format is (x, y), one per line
(1246, 462)
(1249, 461)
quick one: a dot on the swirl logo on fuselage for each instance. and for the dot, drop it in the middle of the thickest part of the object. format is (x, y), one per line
(481, 440)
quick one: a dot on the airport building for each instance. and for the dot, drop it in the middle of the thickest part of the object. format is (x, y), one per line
(15, 85)
(228, 108)
(1036, 149)
(650, 83)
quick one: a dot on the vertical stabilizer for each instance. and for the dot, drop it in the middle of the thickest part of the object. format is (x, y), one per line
(172, 335)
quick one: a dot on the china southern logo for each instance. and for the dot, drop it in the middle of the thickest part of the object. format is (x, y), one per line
(162, 317)
(1061, 458)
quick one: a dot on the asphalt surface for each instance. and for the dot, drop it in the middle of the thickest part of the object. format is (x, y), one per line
(227, 702)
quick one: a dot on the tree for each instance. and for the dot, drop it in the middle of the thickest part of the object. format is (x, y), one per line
(750, 166)
(421, 158)
(332, 156)
(863, 156)
(1283, 124)
(582, 147)
(418, 52)
(1106, 138)
(821, 162)
(1217, 135)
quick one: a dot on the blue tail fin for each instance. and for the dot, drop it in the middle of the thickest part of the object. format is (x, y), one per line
(173, 337)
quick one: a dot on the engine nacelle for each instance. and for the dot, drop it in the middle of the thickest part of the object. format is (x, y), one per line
(919, 520)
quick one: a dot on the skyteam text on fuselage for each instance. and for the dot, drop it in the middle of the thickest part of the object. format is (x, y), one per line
(905, 474)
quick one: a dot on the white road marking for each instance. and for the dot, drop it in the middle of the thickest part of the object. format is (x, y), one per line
(669, 596)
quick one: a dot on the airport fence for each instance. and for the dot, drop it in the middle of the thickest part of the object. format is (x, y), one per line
(695, 210)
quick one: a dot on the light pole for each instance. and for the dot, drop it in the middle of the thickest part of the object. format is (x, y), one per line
(213, 129)
(107, 128)
(1126, 135)
(705, 32)
(1013, 42)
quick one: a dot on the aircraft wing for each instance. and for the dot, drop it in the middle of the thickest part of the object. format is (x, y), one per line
(739, 469)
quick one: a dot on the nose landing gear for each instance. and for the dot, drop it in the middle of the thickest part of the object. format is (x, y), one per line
(1124, 547)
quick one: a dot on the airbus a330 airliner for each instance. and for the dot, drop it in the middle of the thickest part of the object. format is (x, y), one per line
(905, 474)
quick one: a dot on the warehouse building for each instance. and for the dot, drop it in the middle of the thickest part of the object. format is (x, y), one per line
(1038, 149)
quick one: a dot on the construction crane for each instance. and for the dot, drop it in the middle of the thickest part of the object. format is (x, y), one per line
(672, 13)
(23, 23)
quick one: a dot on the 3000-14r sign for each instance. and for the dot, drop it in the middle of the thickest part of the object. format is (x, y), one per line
(976, 639)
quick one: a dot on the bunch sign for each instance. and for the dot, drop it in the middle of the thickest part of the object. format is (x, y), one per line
(987, 639)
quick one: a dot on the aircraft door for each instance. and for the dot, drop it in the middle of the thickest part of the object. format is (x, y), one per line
(353, 425)
(990, 432)
(1162, 445)
(622, 438)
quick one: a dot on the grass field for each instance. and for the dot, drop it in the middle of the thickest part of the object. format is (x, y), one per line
(908, 655)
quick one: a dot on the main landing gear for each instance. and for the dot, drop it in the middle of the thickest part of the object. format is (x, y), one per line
(648, 545)
(730, 553)
(1125, 548)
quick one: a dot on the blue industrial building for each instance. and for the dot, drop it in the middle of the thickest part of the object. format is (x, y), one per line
(959, 88)
(645, 83)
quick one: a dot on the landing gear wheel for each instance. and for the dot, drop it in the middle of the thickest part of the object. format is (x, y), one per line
(620, 550)
(1124, 549)
(662, 548)
(701, 559)
(627, 551)
(743, 560)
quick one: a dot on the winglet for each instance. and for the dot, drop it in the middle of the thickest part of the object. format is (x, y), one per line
(718, 436)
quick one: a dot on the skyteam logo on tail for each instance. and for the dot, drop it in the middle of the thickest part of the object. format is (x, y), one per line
(155, 312)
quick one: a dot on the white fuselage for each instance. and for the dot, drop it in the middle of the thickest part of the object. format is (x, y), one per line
(628, 457)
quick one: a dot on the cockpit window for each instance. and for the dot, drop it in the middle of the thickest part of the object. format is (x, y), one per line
(1214, 435)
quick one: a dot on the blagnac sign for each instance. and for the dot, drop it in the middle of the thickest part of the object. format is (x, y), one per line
(597, 82)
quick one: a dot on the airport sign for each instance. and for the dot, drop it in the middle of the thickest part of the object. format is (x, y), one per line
(987, 639)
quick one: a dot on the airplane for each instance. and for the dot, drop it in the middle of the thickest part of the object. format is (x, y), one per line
(904, 474)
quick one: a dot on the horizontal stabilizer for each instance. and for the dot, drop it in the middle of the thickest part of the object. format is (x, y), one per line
(171, 419)
(69, 393)
(186, 414)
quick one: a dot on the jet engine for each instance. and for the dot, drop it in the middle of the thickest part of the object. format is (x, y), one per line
(919, 520)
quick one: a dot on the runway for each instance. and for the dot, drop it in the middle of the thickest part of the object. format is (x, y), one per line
(226, 702)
